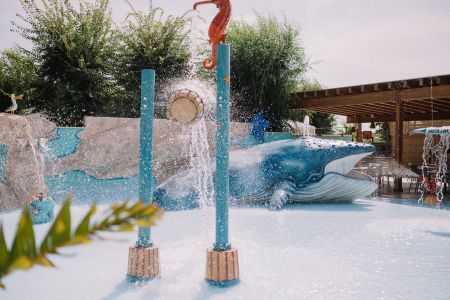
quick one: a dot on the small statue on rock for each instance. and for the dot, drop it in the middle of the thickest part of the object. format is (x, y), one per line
(12, 109)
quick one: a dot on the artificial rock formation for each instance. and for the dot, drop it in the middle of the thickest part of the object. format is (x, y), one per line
(24, 168)
(109, 148)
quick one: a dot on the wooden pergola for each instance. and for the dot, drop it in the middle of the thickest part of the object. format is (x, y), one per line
(417, 99)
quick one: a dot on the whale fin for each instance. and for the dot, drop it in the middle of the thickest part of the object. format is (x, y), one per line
(281, 194)
(335, 187)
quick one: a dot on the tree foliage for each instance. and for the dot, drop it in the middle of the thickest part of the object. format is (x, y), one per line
(382, 132)
(24, 253)
(85, 66)
(267, 62)
(73, 49)
(17, 75)
(150, 40)
(323, 122)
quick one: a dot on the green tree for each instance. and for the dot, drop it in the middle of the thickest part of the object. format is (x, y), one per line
(17, 76)
(150, 40)
(74, 50)
(267, 62)
(382, 132)
(323, 122)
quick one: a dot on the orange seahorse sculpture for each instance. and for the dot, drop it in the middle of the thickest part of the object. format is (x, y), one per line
(217, 28)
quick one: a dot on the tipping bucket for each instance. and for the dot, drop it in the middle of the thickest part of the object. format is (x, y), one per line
(185, 107)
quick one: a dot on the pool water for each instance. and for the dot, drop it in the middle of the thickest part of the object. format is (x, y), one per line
(368, 249)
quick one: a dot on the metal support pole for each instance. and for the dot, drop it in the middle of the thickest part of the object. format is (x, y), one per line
(222, 138)
(143, 257)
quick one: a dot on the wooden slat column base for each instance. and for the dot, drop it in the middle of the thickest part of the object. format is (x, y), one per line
(143, 263)
(222, 267)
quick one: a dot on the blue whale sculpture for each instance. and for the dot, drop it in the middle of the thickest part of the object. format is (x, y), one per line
(299, 170)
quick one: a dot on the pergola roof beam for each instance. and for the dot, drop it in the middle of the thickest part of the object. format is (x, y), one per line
(427, 105)
(407, 117)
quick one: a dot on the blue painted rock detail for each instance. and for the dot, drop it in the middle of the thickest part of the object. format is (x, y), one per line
(42, 211)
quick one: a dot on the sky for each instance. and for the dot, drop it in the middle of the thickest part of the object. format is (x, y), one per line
(349, 42)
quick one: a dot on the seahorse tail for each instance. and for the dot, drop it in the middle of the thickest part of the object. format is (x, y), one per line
(209, 64)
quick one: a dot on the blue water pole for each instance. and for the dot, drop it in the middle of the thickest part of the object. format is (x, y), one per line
(222, 139)
(146, 150)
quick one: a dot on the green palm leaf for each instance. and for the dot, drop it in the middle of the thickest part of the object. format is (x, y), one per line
(59, 233)
(24, 246)
(23, 253)
(4, 254)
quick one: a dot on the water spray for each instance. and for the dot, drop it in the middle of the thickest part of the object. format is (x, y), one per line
(434, 164)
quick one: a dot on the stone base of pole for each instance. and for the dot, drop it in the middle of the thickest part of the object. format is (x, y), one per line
(222, 267)
(143, 264)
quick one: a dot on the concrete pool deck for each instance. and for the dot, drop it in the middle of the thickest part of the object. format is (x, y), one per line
(368, 249)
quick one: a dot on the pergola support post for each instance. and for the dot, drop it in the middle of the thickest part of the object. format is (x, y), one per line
(359, 136)
(399, 88)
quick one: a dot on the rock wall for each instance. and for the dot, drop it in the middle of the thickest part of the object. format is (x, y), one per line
(109, 148)
(23, 173)
(106, 149)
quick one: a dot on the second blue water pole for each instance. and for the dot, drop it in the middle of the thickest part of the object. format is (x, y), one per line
(222, 140)
(146, 150)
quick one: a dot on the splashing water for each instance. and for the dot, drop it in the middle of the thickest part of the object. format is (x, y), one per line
(193, 45)
(199, 147)
(39, 166)
(200, 163)
(45, 150)
(435, 148)
(200, 160)
(306, 127)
